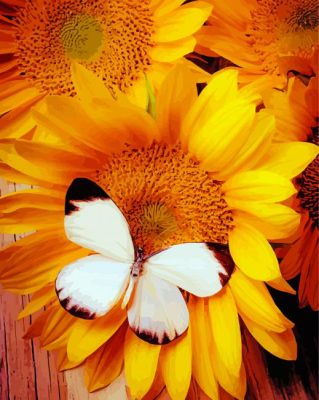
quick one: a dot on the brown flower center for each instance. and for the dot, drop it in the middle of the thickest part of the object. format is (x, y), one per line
(283, 28)
(166, 197)
(309, 185)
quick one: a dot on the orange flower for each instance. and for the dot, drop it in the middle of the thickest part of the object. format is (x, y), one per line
(264, 36)
(297, 119)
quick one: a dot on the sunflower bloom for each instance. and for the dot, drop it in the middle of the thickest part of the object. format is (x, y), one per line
(297, 119)
(119, 41)
(193, 174)
(264, 36)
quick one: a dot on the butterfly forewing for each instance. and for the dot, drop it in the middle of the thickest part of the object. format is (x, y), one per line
(158, 313)
(91, 286)
(92, 220)
(195, 267)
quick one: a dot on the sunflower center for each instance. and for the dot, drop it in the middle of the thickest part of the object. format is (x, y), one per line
(111, 38)
(82, 37)
(283, 28)
(309, 185)
(166, 197)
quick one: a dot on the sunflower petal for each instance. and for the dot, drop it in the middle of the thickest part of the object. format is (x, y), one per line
(201, 341)
(176, 366)
(174, 101)
(140, 362)
(280, 344)
(24, 269)
(88, 335)
(258, 186)
(105, 365)
(289, 159)
(182, 22)
(87, 84)
(254, 301)
(258, 261)
(225, 329)
(39, 300)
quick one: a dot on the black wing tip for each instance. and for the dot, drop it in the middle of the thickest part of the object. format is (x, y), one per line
(82, 189)
(221, 252)
(76, 310)
(152, 338)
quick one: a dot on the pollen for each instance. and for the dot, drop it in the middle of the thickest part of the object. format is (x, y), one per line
(283, 28)
(166, 197)
(111, 38)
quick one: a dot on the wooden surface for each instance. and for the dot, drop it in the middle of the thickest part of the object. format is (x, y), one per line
(29, 373)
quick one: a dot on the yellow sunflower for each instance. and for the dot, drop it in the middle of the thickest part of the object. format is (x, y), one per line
(119, 41)
(297, 116)
(264, 36)
(193, 174)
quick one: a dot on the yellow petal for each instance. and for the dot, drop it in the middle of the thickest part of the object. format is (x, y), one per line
(254, 301)
(45, 162)
(36, 328)
(140, 363)
(235, 385)
(274, 228)
(57, 328)
(34, 198)
(182, 22)
(252, 253)
(172, 51)
(105, 365)
(282, 345)
(33, 262)
(282, 285)
(176, 366)
(201, 342)
(218, 141)
(87, 84)
(157, 387)
(225, 329)
(221, 88)
(254, 147)
(258, 186)
(173, 102)
(30, 219)
(289, 159)
(88, 335)
(162, 7)
(18, 99)
(39, 300)
(63, 362)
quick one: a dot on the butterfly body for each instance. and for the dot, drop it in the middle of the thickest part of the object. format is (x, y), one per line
(148, 286)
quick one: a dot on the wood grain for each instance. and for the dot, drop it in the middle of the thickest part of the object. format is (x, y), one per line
(29, 373)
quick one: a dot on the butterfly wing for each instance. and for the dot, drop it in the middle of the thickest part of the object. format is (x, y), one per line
(91, 286)
(92, 220)
(200, 268)
(158, 313)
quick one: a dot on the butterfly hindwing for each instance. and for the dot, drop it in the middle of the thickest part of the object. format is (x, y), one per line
(92, 220)
(91, 286)
(158, 313)
(199, 268)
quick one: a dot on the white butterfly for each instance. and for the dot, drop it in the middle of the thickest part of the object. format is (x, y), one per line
(148, 284)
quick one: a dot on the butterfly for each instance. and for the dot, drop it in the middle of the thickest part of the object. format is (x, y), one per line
(149, 285)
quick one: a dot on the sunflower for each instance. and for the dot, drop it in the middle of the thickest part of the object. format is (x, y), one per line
(192, 174)
(119, 41)
(264, 36)
(297, 119)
